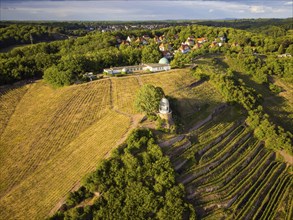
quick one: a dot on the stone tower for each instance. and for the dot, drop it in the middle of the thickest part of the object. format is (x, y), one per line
(165, 111)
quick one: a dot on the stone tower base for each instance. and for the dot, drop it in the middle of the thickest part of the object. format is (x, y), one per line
(167, 117)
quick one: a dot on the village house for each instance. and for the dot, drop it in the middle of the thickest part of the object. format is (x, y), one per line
(201, 40)
(125, 42)
(190, 41)
(213, 44)
(118, 40)
(184, 48)
(223, 39)
(165, 47)
(216, 43)
(162, 38)
(157, 39)
(146, 37)
(197, 46)
(284, 55)
(141, 40)
(130, 39)
(90, 76)
(167, 54)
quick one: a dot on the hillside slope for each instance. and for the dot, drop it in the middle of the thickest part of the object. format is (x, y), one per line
(228, 173)
(51, 138)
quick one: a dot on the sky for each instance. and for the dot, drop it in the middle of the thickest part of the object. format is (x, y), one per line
(134, 10)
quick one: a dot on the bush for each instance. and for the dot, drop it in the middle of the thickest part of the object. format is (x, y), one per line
(274, 88)
(57, 78)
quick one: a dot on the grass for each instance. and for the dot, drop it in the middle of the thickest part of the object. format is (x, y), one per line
(232, 180)
(8, 102)
(190, 104)
(170, 81)
(51, 138)
(51, 181)
(124, 93)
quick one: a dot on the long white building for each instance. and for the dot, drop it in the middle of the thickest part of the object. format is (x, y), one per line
(163, 65)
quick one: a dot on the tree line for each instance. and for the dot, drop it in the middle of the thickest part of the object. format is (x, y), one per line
(63, 62)
(236, 91)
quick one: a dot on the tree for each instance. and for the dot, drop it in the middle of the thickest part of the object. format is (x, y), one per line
(148, 99)
(151, 54)
(57, 78)
(179, 60)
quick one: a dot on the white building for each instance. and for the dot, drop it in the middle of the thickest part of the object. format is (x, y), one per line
(152, 67)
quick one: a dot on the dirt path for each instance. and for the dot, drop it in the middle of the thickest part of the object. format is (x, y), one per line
(62, 201)
(287, 157)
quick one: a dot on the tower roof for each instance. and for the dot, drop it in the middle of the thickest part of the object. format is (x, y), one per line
(164, 100)
(164, 60)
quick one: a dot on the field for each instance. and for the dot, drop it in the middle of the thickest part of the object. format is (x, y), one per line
(228, 174)
(51, 138)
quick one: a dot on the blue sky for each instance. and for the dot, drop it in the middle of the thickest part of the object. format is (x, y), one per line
(143, 10)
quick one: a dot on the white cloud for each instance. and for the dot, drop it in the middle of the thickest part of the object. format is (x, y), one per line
(288, 3)
(257, 9)
(142, 9)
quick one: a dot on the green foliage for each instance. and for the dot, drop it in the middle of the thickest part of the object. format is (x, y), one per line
(274, 88)
(136, 183)
(76, 197)
(57, 78)
(150, 54)
(179, 60)
(148, 99)
(23, 34)
(235, 90)
(275, 137)
(96, 51)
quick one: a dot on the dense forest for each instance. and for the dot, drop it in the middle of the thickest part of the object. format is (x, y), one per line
(273, 27)
(64, 62)
(136, 182)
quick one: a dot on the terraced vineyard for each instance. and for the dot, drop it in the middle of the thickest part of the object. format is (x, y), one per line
(231, 175)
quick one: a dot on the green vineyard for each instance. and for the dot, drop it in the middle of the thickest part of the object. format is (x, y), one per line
(228, 173)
